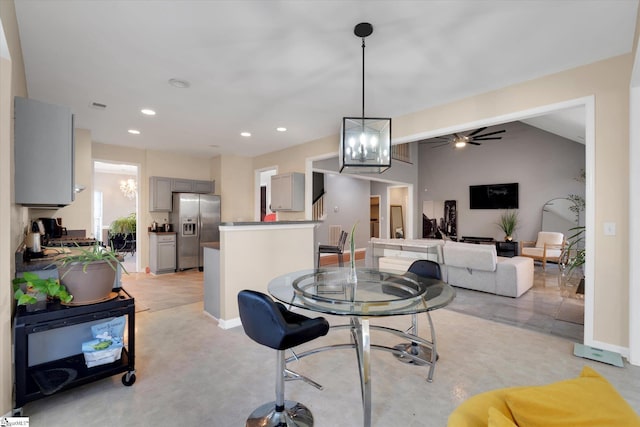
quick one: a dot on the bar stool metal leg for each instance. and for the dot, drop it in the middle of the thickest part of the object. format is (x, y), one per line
(281, 413)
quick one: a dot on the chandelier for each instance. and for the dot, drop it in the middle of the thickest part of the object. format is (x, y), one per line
(365, 142)
(129, 188)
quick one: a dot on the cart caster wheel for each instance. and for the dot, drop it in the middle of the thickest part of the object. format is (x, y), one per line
(128, 379)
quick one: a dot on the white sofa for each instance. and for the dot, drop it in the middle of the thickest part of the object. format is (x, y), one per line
(474, 266)
(479, 268)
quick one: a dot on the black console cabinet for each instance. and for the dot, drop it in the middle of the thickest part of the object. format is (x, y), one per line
(507, 249)
(60, 316)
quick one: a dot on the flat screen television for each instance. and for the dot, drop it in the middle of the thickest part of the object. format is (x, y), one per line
(493, 196)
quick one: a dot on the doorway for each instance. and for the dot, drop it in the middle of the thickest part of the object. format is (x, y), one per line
(374, 216)
(115, 195)
(263, 193)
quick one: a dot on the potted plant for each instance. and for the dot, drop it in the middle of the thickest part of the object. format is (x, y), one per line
(122, 234)
(508, 223)
(571, 261)
(124, 225)
(89, 274)
(33, 291)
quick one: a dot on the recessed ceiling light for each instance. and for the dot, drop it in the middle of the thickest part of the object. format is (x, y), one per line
(281, 129)
(134, 131)
(181, 84)
(148, 112)
(245, 134)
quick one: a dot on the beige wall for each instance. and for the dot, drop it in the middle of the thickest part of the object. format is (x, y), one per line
(250, 256)
(236, 188)
(13, 218)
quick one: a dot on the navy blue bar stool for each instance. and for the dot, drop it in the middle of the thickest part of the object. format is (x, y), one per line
(270, 323)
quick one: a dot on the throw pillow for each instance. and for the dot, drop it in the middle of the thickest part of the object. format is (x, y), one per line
(498, 419)
(589, 400)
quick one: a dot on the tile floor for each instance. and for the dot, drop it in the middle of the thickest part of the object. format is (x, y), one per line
(192, 373)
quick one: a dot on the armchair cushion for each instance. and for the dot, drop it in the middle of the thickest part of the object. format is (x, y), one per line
(550, 238)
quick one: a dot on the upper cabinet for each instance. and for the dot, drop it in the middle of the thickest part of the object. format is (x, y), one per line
(287, 192)
(43, 154)
(161, 190)
(160, 194)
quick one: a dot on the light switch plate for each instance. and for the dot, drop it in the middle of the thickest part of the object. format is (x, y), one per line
(609, 228)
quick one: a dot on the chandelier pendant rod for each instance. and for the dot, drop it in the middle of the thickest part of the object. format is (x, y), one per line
(363, 46)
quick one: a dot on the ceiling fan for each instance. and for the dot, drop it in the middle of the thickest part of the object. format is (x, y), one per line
(461, 141)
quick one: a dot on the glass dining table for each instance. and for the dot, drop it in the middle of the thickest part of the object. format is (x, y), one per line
(369, 293)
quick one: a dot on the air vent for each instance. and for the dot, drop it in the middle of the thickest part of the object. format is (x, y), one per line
(98, 106)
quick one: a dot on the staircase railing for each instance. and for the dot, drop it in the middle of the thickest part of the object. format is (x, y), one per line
(318, 209)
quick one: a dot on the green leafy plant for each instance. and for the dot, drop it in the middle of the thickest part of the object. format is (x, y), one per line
(508, 222)
(573, 255)
(95, 253)
(124, 225)
(33, 284)
(352, 246)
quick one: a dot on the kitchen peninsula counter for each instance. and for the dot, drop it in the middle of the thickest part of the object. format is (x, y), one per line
(249, 255)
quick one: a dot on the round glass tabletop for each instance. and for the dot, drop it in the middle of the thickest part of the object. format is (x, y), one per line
(376, 293)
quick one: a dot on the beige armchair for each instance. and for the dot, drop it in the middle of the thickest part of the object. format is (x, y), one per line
(547, 247)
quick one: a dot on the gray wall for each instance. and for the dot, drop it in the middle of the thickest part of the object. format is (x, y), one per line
(350, 196)
(545, 166)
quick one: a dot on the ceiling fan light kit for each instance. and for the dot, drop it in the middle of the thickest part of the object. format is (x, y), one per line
(461, 141)
(365, 142)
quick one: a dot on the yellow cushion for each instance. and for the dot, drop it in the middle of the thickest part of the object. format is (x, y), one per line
(589, 400)
(498, 419)
(473, 412)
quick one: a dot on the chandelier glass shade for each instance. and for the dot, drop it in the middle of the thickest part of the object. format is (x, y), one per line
(365, 145)
(365, 142)
(129, 188)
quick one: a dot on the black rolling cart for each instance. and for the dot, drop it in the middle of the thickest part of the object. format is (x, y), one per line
(59, 316)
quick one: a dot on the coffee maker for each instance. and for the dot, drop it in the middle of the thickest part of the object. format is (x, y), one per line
(52, 228)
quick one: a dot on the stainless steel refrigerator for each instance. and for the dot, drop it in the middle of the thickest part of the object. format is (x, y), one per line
(195, 218)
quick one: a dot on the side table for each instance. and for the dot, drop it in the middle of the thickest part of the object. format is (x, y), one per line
(507, 249)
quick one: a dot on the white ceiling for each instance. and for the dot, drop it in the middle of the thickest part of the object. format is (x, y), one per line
(254, 65)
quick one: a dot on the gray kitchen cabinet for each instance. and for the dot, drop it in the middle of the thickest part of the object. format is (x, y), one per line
(182, 185)
(162, 252)
(162, 188)
(204, 187)
(160, 194)
(287, 192)
(43, 154)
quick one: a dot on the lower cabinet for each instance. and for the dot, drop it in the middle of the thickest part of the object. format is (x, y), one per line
(162, 252)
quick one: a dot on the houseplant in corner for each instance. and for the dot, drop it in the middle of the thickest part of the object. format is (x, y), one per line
(33, 291)
(508, 223)
(89, 274)
(572, 258)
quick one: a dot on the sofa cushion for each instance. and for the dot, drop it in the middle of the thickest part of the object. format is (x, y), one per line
(589, 400)
(470, 256)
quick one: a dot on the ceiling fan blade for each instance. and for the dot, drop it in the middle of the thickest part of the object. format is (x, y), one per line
(477, 131)
(441, 145)
(474, 143)
(487, 139)
(491, 133)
